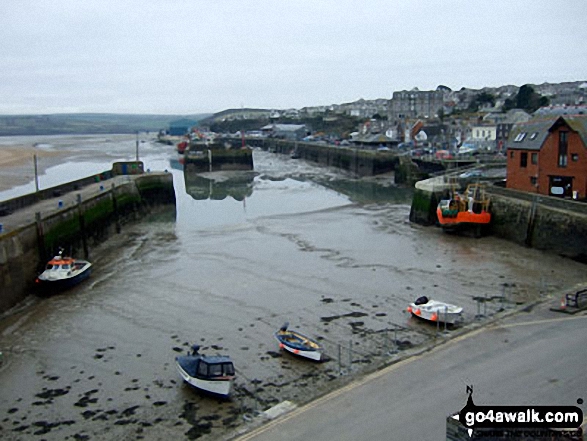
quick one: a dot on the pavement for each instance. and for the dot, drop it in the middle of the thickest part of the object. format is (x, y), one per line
(47, 207)
(534, 357)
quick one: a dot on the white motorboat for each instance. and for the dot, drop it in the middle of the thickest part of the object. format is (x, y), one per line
(435, 311)
(63, 272)
(212, 374)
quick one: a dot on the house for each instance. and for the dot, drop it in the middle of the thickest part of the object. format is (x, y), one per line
(484, 136)
(549, 156)
(415, 104)
(181, 127)
(285, 131)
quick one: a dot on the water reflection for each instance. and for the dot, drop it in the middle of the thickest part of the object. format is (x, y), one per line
(219, 185)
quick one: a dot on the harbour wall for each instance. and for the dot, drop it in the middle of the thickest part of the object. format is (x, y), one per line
(546, 223)
(356, 161)
(219, 159)
(97, 212)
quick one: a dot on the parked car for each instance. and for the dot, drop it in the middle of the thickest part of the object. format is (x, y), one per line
(471, 174)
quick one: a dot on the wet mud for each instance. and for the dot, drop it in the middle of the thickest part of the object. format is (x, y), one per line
(97, 362)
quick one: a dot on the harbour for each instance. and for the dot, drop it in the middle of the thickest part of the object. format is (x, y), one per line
(306, 244)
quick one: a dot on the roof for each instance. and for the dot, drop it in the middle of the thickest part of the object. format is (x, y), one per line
(531, 135)
(284, 127)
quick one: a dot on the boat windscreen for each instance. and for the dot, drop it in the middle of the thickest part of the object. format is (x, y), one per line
(215, 369)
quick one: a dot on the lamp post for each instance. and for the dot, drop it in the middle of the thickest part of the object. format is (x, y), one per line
(36, 173)
(137, 147)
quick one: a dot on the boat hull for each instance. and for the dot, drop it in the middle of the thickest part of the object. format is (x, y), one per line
(221, 387)
(312, 350)
(463, 218)
(50, 286)
(437, 312)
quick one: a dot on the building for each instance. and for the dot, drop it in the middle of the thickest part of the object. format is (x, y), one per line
(549, 156)
(285, 131)
(484, 136)
(181, 127)
(415, 104)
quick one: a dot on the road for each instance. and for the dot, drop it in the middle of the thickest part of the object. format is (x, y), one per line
(535, 358)
(47, 207)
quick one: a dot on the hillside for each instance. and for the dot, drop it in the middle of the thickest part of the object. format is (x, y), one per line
(86, 123)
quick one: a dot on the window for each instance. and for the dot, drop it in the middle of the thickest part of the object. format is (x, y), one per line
(533, 135)
(563, 145)
(574, 157)
(228, 369)
(520, 137)
(534, 158)
(533, 180)
(512, 154)
(215, 370)
(524, 159)
(202, 369)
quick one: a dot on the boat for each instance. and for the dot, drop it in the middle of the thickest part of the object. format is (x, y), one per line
(63, 272)
(211, 374)
(299, 344)
(435, 311)
(469, 209)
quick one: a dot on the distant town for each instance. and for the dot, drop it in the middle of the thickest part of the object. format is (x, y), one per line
(538, 131)
(479, 119)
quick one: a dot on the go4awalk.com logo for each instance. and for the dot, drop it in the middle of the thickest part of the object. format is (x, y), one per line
(561, 422)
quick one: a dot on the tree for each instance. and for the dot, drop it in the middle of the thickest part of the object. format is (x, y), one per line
(526, 99)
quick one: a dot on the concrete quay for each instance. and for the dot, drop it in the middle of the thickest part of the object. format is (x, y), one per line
(75, 220)
(532, 356)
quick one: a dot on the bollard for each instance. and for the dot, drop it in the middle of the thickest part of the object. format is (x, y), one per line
(485, 305)
(350, 355)
(395, 349)
(445, 319)
(339, 359)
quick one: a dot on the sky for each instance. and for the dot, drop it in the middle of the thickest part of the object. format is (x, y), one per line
(204, 56)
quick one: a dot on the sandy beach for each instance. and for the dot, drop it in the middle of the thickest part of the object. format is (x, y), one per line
(17, 164)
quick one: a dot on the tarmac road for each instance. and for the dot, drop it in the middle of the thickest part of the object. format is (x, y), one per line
(535, 358)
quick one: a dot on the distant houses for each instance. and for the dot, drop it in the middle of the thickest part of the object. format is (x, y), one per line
(180, 127)
(548, 155)
(285, 131)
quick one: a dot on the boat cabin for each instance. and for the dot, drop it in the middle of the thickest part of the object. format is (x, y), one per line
(205, 367)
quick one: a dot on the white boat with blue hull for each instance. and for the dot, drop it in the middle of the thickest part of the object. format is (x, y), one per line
(211, 374)
(63, 272)
(299, 344)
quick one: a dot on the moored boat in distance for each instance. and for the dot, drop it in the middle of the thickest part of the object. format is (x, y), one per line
(435, 311)
(211, 374)
(469, 209)
(299, 344)
(63, 272)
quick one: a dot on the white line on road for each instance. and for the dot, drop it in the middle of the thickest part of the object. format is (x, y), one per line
(373, 376)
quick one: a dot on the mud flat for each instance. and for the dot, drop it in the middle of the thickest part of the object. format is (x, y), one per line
(339, 262)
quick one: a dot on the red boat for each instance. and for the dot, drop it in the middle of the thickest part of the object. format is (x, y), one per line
(470, 208)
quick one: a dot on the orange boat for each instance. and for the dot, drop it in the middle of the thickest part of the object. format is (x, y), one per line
(470, 208)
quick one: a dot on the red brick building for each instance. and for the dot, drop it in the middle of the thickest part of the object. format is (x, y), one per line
(549, 156)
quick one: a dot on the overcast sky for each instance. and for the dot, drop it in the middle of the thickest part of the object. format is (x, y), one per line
(196, 56)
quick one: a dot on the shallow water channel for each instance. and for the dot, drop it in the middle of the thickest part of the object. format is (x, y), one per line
(334, 256)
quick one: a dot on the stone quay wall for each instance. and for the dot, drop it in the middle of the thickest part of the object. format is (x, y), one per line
(546, 223)
(78, 227)
(356, 161)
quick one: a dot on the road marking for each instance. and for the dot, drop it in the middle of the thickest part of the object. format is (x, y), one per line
(375, 375)
(540, 322)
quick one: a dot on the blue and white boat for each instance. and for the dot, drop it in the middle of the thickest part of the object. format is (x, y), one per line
(299, 344)
(212, 374)
(63, 272)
